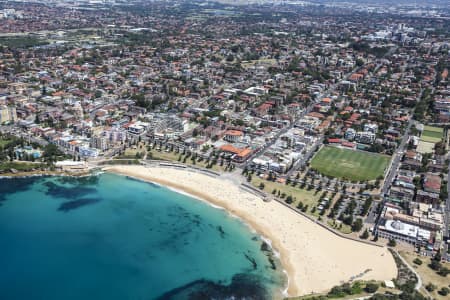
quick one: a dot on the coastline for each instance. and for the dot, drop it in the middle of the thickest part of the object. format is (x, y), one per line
(211, 202)
(312, 265)
(43, 173)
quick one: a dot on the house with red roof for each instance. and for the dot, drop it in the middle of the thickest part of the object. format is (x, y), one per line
(239, 154)
(334, 141)
(432, 183)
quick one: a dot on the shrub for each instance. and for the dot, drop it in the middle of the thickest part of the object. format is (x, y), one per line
(365, 235)
(345, 289)
(408, 287)
(289, 199)
(357, 225)
(417, 261)
(356, 288)
(444, 271)
(392, 243)
(430, 287)
(371, 287)
(444, 291)
(336, 292)
(435, 265)
(305, 208)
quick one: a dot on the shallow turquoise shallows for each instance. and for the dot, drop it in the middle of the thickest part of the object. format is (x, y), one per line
(113, 237)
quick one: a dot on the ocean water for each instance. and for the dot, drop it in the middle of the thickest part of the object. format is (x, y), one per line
(113, 237)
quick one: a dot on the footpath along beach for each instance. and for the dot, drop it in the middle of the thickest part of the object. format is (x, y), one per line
(314, 258)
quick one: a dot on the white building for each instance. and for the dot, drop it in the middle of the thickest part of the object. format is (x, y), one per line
(369, 127)
(233, 136)
(138, 128)
(7, 114)
(394, 229)
(365, 137)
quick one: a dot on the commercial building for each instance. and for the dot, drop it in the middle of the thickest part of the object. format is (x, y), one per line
(393, 229)
(7, 114)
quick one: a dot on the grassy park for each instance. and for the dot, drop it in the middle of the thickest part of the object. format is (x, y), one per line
(428, 275)
(4, 141)
(310, 198)
(432, 134)
(153, 153)
(7, 166)
(349, 164)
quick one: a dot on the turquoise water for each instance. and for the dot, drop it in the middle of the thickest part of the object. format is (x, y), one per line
(113, 237)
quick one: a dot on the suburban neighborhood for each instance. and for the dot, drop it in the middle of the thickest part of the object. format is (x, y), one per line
(343, 120)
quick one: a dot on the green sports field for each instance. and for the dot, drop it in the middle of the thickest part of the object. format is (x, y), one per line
(432, 134)
(349, 164)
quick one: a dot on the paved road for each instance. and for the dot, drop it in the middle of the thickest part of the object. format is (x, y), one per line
(446, 230)
(302, 161)
(396, 159)
(372, 214)
(398, 154)
(280, 133)
(307, 110)
(419, 280)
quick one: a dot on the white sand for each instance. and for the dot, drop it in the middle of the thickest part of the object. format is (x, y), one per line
(314, 258)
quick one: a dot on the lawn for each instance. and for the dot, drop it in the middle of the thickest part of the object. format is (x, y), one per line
(131, 152)
(349, 164)
(359, 292)
(432, 134)
(310, 198)
(426, 273)
(19, 166)
(4, 142)
(340, 226)
(172, 156)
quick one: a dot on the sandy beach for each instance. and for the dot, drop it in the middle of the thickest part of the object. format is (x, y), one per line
(314, 258)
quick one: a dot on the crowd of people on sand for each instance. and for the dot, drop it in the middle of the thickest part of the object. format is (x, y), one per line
(314, 258)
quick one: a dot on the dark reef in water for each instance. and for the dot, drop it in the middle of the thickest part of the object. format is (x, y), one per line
(71, 205)
(143, 181)
(251, 260)
(56, 190)
(266, 248)
(84, 180)
(184, 230)
(221, 231)
(14, 185)
(242, 287)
